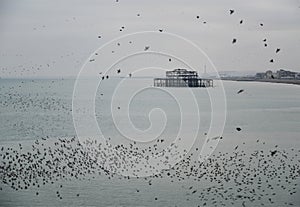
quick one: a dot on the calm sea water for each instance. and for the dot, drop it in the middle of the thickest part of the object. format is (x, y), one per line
(35, 109)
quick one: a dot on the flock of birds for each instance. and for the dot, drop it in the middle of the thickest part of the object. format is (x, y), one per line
(39, 108)
(230, 178)
(238, 177)
(234, 40)
(32, 69)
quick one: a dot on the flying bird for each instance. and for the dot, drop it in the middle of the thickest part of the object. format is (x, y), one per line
(273, 152)
(231, 11)
(146, 48)
(277, 50)
(234, 41)
(240, 91)
(238, 129)
(216, 138)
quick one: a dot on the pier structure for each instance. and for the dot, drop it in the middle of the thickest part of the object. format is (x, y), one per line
(182, 78)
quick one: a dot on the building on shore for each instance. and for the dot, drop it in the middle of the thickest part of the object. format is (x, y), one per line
(280, 74)
(284, 74)
(182, 78)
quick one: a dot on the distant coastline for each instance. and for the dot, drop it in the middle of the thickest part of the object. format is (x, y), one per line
(248, 79)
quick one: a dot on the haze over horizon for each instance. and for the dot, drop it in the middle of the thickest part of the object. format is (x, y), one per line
(55, 38)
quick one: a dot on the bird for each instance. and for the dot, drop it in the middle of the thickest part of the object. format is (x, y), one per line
(231, 11)
(119, 70)
(241, 21)
(160, 30)
(234, 40)
(216, 138)
(277, 50)
(272, 61)
(238, 128)
(273, 152)
(146, 48)
(240, 91)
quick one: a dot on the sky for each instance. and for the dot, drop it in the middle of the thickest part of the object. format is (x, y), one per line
(56, 38)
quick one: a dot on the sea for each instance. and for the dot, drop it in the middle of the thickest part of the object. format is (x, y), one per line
(250, 117)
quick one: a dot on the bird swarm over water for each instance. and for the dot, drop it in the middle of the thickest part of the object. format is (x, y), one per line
(235, 177)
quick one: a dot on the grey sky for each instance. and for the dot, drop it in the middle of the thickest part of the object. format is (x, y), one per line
(54, 38)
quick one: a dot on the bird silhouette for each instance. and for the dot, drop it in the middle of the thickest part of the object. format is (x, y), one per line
(240, 91)
(238, 128)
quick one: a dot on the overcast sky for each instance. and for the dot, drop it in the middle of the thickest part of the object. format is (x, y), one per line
(55, 38)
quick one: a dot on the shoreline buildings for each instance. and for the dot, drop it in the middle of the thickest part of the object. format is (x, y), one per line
(279, 74)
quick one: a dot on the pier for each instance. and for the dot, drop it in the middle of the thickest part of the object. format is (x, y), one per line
(182, 78)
